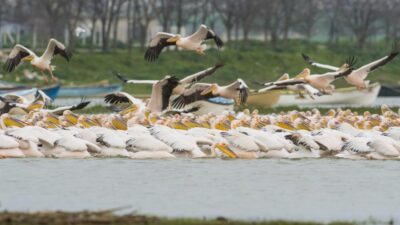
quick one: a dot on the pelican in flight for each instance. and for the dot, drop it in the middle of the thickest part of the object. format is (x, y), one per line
(193, 42)
(310, 90)
(358, 76)
(163, 89)
(204, 91)
(322, 82)
(43, 63)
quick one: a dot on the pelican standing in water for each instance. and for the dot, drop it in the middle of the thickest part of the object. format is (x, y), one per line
(193, 42)
(43, 63)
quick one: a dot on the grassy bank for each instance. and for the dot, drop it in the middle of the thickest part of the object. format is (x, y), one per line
(253, 61)
(107, 217)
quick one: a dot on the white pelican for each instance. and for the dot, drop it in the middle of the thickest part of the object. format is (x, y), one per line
(163, 89)
(28, 143)
(112, 143)
(180, 143)
(69, 146)
(43, 63)
(306, 146)
(9, 147)
(203, 91)
(310, 90)
(358, 76)
(135, 106)
(193, 42)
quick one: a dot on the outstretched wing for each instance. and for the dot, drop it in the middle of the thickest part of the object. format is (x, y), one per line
(319, 65)
(18, 53)
(55, 47)
(60, 110)
(191, 95)
(157, 44)
(203, 33)
(121, 97)
(377, 63)
(126, 80)
(200, 75)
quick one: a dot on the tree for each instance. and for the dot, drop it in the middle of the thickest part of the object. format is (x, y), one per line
(227, 11)
(109, 11)
(361, 18)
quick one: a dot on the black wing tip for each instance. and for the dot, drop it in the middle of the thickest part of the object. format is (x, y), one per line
(121, 77)
(218, 41)
(219, 65)
(178, 102)
(351, 61)
(151, 54)
(306, 58)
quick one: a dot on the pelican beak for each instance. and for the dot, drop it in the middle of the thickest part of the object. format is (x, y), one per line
(13, 122)
(173, 39)
(28, 58)
(119, 124)
(226, 150)
(35, 106)
(212, 89)
(53, 119)
(285, 125)
(71, 118)
(132, 108)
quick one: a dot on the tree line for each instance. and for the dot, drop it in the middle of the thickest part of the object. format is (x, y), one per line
(272, 21)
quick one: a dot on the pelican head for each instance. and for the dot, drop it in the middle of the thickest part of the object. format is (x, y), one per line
(303, 74)
(35, 106)
(224, 148)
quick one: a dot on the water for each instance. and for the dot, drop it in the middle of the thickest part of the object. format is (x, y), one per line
(321, 190)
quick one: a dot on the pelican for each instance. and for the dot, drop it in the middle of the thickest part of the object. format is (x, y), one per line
(309, 89)
(43, 63)
(9, 147)
(28, 143)
(193, 42)
(163, 89)
(357, 77)
(203, 91)
(135, 105)
(180, 143)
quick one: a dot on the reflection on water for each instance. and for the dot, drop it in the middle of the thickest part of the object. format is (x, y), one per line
(320, 189)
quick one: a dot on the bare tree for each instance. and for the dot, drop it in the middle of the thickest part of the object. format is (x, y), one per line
(73, 12)
(164, 10)
(247, 14)
(145, 13)
(110, 9)
(361, 19)
(227, 11)
(307, 16)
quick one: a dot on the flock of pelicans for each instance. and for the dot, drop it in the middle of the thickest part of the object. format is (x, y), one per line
(164, 126)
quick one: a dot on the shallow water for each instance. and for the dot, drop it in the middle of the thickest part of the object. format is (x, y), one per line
(321, 189)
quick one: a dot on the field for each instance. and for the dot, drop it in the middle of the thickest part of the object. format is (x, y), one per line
(253, 61)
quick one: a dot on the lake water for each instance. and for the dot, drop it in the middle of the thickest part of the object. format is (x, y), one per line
(321, 189)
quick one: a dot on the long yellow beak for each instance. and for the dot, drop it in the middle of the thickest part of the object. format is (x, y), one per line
(72, 118)
(28, 58)
(130, 109)
(35, 106)
(227, 151)
(173, 39)
(13, 122)
(119, 124)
